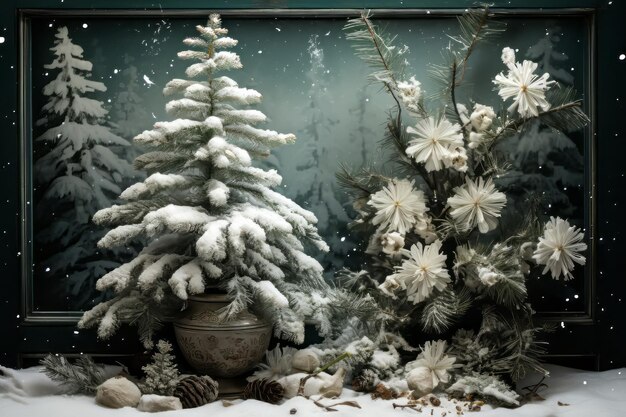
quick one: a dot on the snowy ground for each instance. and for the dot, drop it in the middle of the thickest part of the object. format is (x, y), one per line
(589, 394)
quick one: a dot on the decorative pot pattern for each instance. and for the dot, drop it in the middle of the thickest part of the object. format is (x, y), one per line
(219, 349)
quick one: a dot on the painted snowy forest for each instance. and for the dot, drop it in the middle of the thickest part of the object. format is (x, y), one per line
(313, 85)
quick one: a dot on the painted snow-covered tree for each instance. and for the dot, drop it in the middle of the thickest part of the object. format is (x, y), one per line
(78, 174)
(128, 115)
(314, 168)
(209, 217)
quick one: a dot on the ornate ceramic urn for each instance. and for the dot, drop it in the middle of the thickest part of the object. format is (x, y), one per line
(224, 350)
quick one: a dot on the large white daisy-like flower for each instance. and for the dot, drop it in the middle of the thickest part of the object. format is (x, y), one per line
(559, 248)
(398, 205)
(522, 84)
(434, 359)
(477, 204)
(420, 274)
(435, 139)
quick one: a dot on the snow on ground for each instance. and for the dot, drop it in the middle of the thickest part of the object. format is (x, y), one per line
(589, 394)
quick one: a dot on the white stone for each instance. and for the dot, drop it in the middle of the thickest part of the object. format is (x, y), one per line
(305, 360)
(118, 392)
(154, 403)
(420, 380)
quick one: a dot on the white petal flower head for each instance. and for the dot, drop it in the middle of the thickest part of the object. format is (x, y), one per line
(482, 117)
(477, 204)
(508, 57)
(525, 87)
(278, 364)
(410, 92)
(424, 271)
(559, 248)
(397, 206)
(475, 140)
(434, 140)
(457, 159)
(392, 243)
(434, 358)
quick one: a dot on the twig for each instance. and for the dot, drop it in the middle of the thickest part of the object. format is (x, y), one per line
(411, 406)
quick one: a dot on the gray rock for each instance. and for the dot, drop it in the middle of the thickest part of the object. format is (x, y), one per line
(154, 403)
(118, 392)
(305, 360)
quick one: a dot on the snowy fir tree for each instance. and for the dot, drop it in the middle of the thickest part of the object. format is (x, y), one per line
(128, 115)
(209, 217)
(78, 174)
(162, 374)
(446, 283)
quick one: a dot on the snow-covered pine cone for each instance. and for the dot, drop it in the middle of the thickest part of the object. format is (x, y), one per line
(194, 391)
(364, 381)
(264, 390)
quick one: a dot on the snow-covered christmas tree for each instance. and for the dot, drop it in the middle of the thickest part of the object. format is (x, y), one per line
(78, 174)
(209, 217)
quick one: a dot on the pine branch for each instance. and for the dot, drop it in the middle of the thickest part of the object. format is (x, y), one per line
(565, 115)
(82, 377)
(377, 50)
(475, 26)
(444, 309)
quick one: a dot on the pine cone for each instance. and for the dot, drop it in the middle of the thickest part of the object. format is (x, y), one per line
(364, 382)
(194, 391)
(264, 390)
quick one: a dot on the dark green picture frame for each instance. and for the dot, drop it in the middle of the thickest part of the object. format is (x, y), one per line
(587, 340)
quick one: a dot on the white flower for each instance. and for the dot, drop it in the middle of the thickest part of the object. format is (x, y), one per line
(525, 87)
(475, 140)
(433, 357)
(508, 57)
(457, 159)
(423, 271)
(425, 229)
(559, 248)
(278, 364)
(398, 205)
(463, 113)
(409, 92)
(487, 276)
(435, 140)
(392, 243)
(477, 204)
(482, 117)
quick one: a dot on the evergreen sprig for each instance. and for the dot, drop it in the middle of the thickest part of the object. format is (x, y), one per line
(443, 310)
(81, 377)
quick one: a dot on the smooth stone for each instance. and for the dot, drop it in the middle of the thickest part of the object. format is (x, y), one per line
(420, 380)
(118, 392)
(153, 403)
(305, 360)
